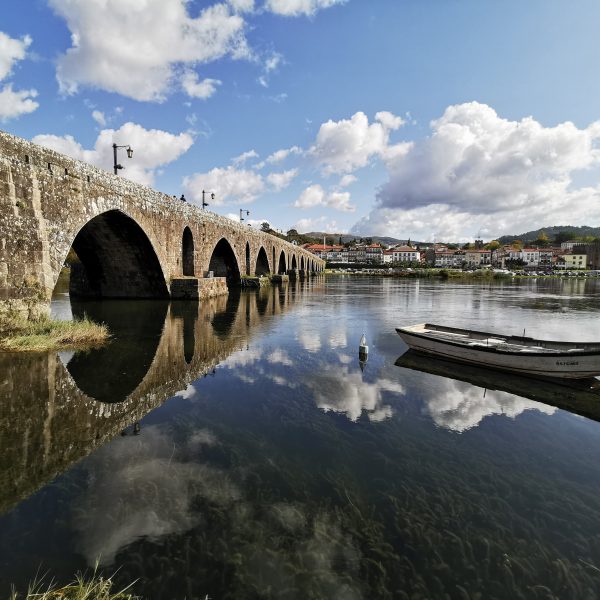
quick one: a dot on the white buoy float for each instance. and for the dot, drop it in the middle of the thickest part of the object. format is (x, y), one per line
(363, 352)
(362, 347)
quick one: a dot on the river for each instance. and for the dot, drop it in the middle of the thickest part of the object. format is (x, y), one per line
(239, 449)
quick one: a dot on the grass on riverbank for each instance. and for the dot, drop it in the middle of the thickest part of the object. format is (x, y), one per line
(20, 335)
(91, 587)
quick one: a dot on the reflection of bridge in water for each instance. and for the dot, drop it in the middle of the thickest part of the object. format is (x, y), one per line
(51, 416)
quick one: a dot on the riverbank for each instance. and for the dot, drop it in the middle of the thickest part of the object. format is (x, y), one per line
(44, 334)
(480, 274)
(425, 273)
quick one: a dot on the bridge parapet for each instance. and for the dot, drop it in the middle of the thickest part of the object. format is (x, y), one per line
(132, 241)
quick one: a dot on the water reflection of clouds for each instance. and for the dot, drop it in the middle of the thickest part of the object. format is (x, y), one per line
(338, 339)
(345, 392)
(279, 356)
(310, 340)
(243, 358)
(189, 392)
(140, 490)
(461, 406)
(148, 487)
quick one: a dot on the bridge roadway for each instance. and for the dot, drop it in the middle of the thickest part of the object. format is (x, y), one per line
(132, 241)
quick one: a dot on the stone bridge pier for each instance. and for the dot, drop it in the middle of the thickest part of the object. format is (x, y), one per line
(131, 241)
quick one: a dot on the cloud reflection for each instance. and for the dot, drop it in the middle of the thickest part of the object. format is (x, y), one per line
(310, 340)
(461, 406)
(140, 490)
(345, 392)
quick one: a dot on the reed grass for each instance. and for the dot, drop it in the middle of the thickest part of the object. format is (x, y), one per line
(84, 587)
(20, 335)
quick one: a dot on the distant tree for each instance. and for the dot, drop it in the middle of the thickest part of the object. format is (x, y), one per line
(292, 233)
(562, 236)
(513, 263)
(265, 226)
(493, 245)
(542, 239)
(368, 241)
(467, 246)
(517, 245)
(340, 242)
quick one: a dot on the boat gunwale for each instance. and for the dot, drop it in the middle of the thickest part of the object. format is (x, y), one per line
(497, 350)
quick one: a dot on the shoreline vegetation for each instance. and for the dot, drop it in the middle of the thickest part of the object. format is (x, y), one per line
(18, 334)
(481, 274)
(92, 587)
(427, 273)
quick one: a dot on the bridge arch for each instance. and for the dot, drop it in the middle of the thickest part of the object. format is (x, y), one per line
(281, 269)
(224, 263)
(274, 263)
(294, 263)
(262, 263)
(302, 263)
(116, 260)
(187, 252)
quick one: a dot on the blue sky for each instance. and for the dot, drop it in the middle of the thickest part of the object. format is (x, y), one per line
(429, 119)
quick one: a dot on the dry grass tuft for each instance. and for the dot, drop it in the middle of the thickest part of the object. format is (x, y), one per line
(92, 587)
(20, 335)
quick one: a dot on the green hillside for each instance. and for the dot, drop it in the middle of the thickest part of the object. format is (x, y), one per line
(563, 232)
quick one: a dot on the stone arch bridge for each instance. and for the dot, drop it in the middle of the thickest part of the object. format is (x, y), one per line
(132, 241)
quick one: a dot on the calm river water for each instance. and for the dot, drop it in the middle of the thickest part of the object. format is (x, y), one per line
(270, 463)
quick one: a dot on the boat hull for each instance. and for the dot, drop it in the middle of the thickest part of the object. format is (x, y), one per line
(571, 366)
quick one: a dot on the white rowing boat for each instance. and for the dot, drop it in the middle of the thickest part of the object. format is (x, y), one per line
(509, 353)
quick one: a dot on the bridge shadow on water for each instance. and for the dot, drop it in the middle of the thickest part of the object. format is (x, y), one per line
(57, 409)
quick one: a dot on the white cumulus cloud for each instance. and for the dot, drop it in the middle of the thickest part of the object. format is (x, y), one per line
(155, 148)
(227, 183)
(242, 5)
(346, 180)
(11, 51)
(99, 117)
(294, 8)
(134, 48)
(315, 195)
(279, 181)
(195, 88)
(479, 171)
(244, 156)
(14, 103)
(315, 224)
(346, 145)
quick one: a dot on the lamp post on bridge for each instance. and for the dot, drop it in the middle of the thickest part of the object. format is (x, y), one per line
(116, 165)
(242, 211)
(212, 197)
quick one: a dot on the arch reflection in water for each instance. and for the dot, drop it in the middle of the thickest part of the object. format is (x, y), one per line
(54, 416)
(112, 372)
(188, 313)
(223, 320)
(477, 392)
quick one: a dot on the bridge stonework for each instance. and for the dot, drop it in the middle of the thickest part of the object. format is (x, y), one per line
(132, 241)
